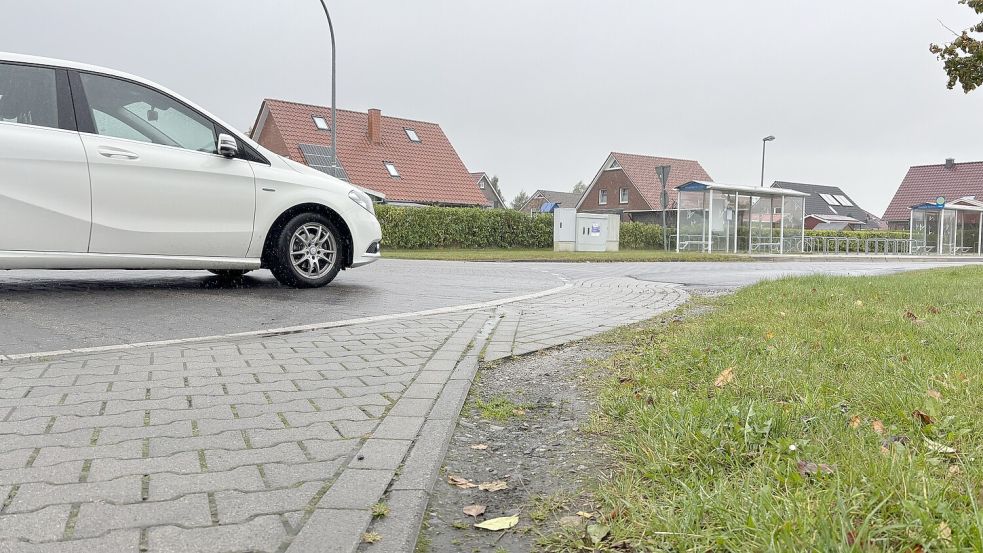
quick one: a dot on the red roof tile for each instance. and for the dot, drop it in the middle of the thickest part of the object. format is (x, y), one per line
(641, 171)
(925, 183)
(430, 171)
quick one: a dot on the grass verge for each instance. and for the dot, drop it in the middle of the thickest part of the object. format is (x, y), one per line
(550, 255)
(806, 414)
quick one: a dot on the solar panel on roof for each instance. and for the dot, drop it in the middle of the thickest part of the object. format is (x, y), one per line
(320, 158)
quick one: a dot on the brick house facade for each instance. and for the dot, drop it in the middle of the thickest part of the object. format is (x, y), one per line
(628, 185)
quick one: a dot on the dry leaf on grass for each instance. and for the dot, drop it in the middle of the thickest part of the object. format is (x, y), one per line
(939, 448)
(586, 515)
(480, 447)
(597, 533)
(495, 486)
(910, 316)
(945, 533)
(854, 421)
(474, 510)
(878, 426)
(934, 394)
(724, 378)
(934, 310)
(858, 303)
(923, 417)
(500, 523)
(806, 468)
(462, 483)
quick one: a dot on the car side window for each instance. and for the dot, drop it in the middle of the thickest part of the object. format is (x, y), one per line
(28, 95)
(123, 109)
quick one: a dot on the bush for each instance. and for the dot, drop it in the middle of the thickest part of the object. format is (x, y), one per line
(420, 228)
(861, 234)
(406, 228)
(641, 236)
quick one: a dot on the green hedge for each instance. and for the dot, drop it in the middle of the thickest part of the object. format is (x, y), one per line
(410, 228)
(641, 236)
(417, 228)
(861, 234)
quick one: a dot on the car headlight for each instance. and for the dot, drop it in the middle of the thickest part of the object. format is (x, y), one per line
(362, 199)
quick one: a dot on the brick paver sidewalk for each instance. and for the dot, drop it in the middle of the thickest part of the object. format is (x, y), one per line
(270, 444)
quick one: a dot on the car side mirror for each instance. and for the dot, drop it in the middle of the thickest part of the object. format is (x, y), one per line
(227, 146)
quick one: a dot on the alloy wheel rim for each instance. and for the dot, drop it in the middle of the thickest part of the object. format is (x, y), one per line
(313, 250)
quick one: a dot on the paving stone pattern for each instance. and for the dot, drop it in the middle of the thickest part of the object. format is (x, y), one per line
(273, 444)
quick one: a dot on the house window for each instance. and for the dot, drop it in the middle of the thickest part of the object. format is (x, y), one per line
(411, 134)
(829, 199)
(391, 167)
(320, 123)
(623, 195)
(843, 200)
(482, 184)
(602, 197)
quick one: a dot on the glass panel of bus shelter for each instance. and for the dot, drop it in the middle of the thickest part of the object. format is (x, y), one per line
(948, 232)
(919, 231)
(692, 221)
(932, 232)
(968, 232)
(722, 222)
(764, 232)
(743, 222)
(792, 220)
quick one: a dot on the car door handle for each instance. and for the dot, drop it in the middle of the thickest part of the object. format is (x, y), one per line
(117, 153)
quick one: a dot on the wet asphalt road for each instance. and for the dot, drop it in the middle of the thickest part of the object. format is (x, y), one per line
(54, 310)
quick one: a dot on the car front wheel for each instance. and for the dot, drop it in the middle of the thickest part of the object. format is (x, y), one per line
(309, 252)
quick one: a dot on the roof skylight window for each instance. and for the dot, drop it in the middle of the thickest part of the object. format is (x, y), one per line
(411, 134)
(321, 123)
(843, 200)
(391, 167)
(829, 199)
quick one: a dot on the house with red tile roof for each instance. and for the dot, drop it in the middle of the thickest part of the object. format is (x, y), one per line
(926, 183)
(408, 161)
(629, 185)
(491, 193)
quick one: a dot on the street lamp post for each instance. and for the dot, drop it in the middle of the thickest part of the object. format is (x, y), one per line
(764, 145)
(334, 94)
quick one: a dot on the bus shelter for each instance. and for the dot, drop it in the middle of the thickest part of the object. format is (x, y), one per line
(729, 218)
(947, 228)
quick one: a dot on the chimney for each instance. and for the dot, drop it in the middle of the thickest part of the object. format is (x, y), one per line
(375, 126)
(950, 163)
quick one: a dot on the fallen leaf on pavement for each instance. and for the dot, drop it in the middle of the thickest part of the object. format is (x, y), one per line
(597, 533)
(493, 486)
(806, 468)
(480, 446)
(878, 426)
(724, 378)
(586, 515)
(854, 421)
(923, 417)
(462, 483)
(474, 510)
(500, 523)
(371, 537)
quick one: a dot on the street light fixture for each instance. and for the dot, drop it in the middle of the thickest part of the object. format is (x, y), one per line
(334, 95)
(764, 144)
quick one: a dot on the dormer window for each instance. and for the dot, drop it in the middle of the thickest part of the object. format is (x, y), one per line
(411, 134)
(391, 167)
(321, 123)
(482, 184)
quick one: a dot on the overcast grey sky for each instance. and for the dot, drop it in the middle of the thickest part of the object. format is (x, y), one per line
(539, 91)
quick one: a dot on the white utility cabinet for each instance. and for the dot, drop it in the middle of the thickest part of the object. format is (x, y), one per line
(585, 232)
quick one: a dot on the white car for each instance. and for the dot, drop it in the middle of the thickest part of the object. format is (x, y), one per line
(104, 170)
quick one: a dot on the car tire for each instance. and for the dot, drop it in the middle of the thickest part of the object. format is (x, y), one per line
(229, 274)
(308, 252)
